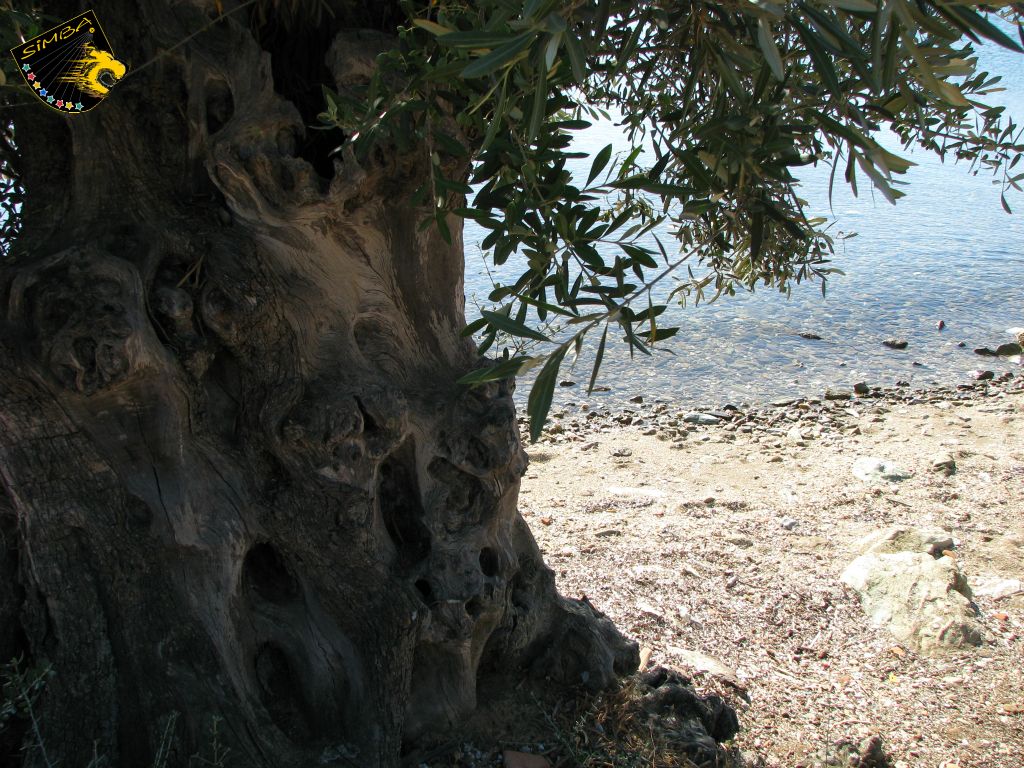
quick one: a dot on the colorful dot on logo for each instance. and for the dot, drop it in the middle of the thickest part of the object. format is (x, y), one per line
(26, 67)
(60, 102)
(42, 91)
(37, 85)
(79, 106)
(50, 99)
(31, 76)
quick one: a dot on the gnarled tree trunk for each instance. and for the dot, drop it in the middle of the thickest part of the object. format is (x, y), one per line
(240, 476)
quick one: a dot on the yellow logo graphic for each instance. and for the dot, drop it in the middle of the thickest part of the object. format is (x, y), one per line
(96, 74)
(70, 68)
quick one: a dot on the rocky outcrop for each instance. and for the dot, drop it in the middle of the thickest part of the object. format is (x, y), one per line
(907, 585)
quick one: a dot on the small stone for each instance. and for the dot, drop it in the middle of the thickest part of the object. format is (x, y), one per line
(861, 388)
(783, 402)
(703, 419)
(811, 336)
(512, 759)
(895, 343)
(796, 435)
(961, 344)
(982, 375)
(567, 383)
(739, 541)
(788, 523)
(984, 352)
(622, 452)
(1010, 348)
(996, 588)
(636, 399)
(871, 754)
(645, 657)
(699, 662)
(944, 463)
(837, 394)
(650, 610)
(589, 446)
(871, 469)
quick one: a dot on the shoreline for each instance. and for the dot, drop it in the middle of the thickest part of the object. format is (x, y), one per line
(672, 420)
(727, 540)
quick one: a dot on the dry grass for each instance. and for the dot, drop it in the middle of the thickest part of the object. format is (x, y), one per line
(612, 730)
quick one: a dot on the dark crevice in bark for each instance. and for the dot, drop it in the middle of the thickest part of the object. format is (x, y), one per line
(281, 695)
(266, 574)
(220, 104)
(224, 393)
(488, 562)
(298, 62)
(400, 507)
(13, 642)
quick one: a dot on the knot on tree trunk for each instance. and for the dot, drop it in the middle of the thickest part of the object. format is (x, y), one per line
(82, 313)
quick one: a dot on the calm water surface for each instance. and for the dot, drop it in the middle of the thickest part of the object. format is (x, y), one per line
(947, 251)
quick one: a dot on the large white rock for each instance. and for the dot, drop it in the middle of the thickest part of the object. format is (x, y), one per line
(923, 601)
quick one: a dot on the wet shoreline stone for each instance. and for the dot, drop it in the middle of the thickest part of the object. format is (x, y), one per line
(836, 412)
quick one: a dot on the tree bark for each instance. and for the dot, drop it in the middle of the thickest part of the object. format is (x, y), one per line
(241, 480)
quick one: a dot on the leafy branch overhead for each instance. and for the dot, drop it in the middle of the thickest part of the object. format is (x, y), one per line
(721, 102)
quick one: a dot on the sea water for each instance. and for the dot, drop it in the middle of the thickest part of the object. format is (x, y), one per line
(945, 252)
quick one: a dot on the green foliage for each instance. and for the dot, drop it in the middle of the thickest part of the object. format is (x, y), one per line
(727, 98)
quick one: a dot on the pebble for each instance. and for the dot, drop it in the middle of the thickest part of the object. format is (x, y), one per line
(788, 523)
(861, 388)
(513, 759)
(944, 463)
(872, 469)
(797, 435)
(739, 541)
(982, 375)
(703, 419)
(1010, 348)
(837, 394)
(895, 343)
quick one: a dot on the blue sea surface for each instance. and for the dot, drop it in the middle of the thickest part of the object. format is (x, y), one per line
(947, 251)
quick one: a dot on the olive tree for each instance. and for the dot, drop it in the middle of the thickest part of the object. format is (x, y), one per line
(255, 465)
